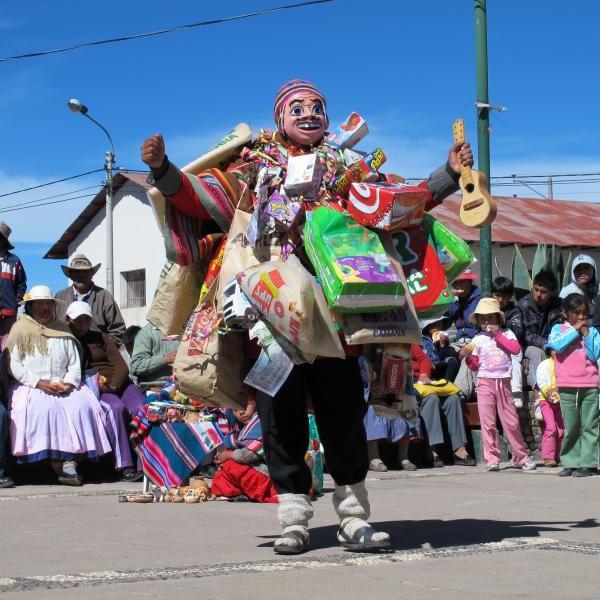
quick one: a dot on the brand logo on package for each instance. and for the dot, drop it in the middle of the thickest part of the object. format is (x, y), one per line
(267, 289)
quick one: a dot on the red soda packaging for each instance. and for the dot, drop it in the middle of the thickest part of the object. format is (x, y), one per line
(394, 370)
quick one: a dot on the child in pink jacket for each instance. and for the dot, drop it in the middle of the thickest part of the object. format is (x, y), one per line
(577, 351)
(489, 353)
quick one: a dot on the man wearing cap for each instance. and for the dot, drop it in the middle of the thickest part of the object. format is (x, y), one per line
(13, 283)
(107, 316)
(466, 297)
(119, 398)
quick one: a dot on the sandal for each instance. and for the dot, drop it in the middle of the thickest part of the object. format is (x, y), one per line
(364, 538)
(293, 541)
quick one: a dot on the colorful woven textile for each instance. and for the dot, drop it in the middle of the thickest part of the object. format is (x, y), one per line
(218, 193)
(170, 452)
(181, 237)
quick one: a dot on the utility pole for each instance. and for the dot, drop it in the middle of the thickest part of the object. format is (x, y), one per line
(550, 189)
(109, 164)
(483, 136)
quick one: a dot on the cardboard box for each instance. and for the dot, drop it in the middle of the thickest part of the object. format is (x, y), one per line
(304, 176)
(387, 206)
(349, 133)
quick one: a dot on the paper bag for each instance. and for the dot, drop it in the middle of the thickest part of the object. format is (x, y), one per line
(175, 298)
(288, 297)
(239, 254)
(209, 366)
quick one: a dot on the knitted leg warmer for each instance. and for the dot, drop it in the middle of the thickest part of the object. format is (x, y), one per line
(351, 502)
(294, 512)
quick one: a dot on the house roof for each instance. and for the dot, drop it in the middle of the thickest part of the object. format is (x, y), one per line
(530, 221)
(525, 221)
(60, 249)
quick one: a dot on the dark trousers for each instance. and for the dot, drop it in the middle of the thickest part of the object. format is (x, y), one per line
(336, 390)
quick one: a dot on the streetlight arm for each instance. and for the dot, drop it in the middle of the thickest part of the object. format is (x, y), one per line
(112, 146)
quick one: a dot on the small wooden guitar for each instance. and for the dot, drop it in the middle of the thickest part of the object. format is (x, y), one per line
(477, 208)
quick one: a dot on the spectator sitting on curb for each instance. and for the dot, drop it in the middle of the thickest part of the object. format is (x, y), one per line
(119, 398)
(379, 428)
(107, 316)
(437, 347)
(541, 311)
(432, 406)
(153, 357)
(584, 280)
(467, 295)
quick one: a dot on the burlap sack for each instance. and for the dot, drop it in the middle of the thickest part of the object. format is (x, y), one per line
(240, 254)
(175, 298)
(288, 297)
(209, 366)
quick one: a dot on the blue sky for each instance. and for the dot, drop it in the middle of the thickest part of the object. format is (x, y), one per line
(407, 66)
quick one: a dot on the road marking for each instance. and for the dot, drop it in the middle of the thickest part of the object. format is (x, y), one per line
(64, 581)
(47, 495)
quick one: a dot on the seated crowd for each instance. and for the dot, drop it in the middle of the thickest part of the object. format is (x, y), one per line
(79, 383)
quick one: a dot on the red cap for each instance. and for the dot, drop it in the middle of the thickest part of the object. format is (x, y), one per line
(468, 274)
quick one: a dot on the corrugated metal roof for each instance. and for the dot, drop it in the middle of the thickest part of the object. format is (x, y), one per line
(531, 221)
(60, 249)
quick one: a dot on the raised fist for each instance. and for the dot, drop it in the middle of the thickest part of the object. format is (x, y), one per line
(153, 151)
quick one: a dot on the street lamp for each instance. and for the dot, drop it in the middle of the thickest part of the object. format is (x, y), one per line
(109, 162)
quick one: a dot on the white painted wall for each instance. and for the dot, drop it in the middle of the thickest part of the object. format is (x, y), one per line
(137, 244)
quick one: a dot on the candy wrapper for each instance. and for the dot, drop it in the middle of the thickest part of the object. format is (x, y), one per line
(285, 212)
(304, 174)
(387, 206)
(288, 297)
(349, 133)
(454, 253)
(365, 169)
(353, 268)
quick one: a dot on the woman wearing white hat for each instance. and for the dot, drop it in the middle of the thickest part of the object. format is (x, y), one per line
(51, 416)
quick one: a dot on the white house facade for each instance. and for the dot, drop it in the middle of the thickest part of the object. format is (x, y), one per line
(138, 248)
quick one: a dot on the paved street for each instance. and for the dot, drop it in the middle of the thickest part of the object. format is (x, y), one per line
(457, 532)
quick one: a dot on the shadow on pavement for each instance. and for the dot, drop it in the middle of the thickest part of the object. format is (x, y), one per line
(436, 533)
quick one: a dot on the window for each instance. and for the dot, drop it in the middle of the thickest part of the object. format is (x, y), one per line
(133, 288)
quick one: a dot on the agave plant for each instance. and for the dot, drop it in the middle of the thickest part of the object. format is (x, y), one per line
(545, 258)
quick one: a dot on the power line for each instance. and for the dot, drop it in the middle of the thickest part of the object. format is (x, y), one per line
(550, 175)
(163, 31)
(23, 207)
(35, 187)
(51, 197)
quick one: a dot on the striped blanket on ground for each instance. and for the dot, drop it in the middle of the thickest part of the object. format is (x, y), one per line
(170, 452)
